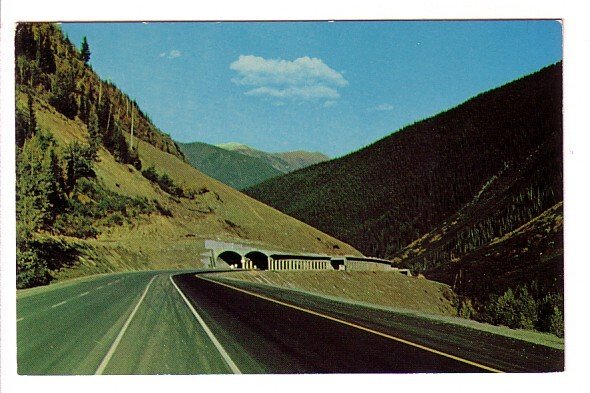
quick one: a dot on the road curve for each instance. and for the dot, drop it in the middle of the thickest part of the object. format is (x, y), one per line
(140, 323)
(316, 335)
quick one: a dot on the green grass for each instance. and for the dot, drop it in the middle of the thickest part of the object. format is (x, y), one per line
(389, 289)
(155, 241)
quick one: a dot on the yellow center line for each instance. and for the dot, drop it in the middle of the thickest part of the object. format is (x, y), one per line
(354, 325)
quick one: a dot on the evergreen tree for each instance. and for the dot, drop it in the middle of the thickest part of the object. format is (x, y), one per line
(94, 136)
(32, 119)
(34, 189)
(78, 164)
(64, 93)
(85, 51)
(25, 44)
(25, 123)
(46, 57)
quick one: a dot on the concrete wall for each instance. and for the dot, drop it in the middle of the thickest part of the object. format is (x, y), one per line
(298, 264)
(365, 265)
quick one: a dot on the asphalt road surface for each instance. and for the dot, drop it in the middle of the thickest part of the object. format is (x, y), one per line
(128, 323)
(279, 331)
(169, 323)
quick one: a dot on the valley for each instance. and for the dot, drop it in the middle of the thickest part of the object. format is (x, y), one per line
(437, 248)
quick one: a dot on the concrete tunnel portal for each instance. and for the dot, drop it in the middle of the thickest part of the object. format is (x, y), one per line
(258, 260)
(237, 256)
(232, 258)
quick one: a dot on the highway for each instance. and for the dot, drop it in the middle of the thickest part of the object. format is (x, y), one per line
(275, 330)
(169, 323)
(70, 330)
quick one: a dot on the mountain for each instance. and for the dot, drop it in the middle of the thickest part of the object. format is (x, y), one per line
(100, 188)
(241, 166)
(437, 195)
(232, 168)
(283, 162)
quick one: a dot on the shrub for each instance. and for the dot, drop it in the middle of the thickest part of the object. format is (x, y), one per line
(150, 174)
(556, 323)
(520, 310)
(31, 270)
(76, 225)
(465, 309)
(161, 209)
(164, 182)
(550, 316)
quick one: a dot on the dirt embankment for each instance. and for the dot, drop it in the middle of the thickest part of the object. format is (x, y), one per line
(389, 289)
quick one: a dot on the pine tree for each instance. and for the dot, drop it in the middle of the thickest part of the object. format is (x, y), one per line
(46, 57)
(78, 163)
(25, 41)
(32, 119)
(85, 51)
(25, 124)
(94, 136)
(64, 93)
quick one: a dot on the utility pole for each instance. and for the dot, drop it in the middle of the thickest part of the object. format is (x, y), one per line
(132, 128)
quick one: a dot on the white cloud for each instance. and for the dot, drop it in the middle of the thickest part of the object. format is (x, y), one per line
(329, 103)
(173, 54)
(383, 108)
(305, 93)
(302, 79)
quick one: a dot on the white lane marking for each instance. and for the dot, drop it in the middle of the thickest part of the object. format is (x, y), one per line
(59, 304)
(20, 319)
(212, 337)
(115, 344)
(67, 300)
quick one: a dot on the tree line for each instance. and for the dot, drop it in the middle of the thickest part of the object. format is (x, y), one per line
(57, 192)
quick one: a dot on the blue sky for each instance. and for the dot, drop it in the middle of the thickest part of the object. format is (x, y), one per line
(332, 87)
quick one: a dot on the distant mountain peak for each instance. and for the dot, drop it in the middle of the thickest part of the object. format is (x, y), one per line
(234, 146)
(241, 166)
(284, 162)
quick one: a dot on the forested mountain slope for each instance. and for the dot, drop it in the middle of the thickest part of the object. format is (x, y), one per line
(101, 189)
(472, 197)
(385, 196)
(230, 167)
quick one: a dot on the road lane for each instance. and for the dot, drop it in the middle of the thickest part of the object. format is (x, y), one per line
(105, 361)
(33, 300)
(164, 338)
(115, 324)
(252, 316)
(74, 337)
(265, 337)
(499, 352)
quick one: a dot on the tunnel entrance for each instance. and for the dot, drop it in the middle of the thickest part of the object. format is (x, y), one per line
(337, 264)
(232, 258)
(259, 260)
